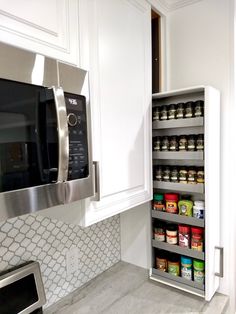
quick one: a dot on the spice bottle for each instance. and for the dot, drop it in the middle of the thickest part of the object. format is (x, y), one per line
(171, 234)
(180, 110)
(198, 209)
(173, 264)
(163, 114)
(200, 175)
(183, 143)
(166, 174)
(171, 203)
(191, 143)
(183, 175)
(159, 231)
(158, 202)
(197, 239)
(192, 176)
(185, 207)
(189, 106)
(158, 176)
(186, 267)
(161, 260)
(165, 145)
(156, 113)
(184, 236)
(198, 271)
(173, 143)
(157, 143)
(171, 111)
(200, 142)
(198, 108)
(174, 175)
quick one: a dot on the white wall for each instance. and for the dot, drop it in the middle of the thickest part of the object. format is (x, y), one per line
(200, 51)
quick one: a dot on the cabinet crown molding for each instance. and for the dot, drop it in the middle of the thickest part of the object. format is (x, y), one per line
(171, 5)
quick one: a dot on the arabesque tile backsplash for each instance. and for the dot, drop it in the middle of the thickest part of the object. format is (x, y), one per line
(47, 241)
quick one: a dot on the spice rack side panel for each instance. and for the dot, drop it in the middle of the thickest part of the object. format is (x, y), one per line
(212, 188)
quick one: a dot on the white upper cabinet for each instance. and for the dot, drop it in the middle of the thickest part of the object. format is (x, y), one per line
(120, 82)
(47, 27)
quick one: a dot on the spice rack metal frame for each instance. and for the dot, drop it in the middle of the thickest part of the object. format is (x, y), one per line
(210, 191)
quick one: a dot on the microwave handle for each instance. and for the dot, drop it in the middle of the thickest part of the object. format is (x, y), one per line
(63, 134)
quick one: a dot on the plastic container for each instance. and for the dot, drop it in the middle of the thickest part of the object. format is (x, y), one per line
(197, 239)
(158, 202)
(171, 203)
(159, 233)
(184, 236)
(185, 208)
(199, 209)
(173, 265)
(198, 271)
(186, 267)
(171, 234)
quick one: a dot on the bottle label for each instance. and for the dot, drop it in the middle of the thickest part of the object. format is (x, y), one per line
(173, 269)
(186, 272)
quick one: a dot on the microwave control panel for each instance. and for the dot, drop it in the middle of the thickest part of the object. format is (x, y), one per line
(78, 139)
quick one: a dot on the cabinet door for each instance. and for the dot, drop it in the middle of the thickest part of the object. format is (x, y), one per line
(47, 27)
(120, 78)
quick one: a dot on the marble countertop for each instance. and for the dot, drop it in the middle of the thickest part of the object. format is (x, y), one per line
(126, 289)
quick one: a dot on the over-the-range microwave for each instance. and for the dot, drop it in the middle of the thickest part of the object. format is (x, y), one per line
(45, 133)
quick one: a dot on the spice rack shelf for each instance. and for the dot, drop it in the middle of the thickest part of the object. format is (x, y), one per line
(178, 155)
(191, 188)
(178, 123)
(178, 218)
(178, 249)
(178, 282)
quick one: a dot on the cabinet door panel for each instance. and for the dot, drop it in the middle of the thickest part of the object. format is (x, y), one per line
(120, 98)
(47, 27)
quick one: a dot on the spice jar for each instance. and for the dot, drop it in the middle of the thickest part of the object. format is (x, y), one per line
(198, 108)
(171, 234)
(198, 209)
(183, 143)
(189, 108)
(158, 176)
(161, 260)
(156, 113)
(192, 176)
(171, 111)
(197, 239)
(173, 143)
(173, 264)
(186, 267)
(180, 110)
(191, 143)
(184, 236)
(171, 203)
(174, 175)
(158, 202)
(200, 142)
(159, 233)
(198, 271)
(163, 115)
(157, 143)
(185, 207)
(165, 145)
(183, 175)
(200, 175)
(166, 174)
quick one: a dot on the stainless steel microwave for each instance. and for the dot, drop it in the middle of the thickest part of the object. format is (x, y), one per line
(45, 133)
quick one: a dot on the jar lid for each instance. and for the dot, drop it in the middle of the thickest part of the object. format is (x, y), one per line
(198, 264)
(199, 102)
(184, 229)
(158, 197)
(173, 258)
(171, 227)
(171, 197)
(197, 230)
(199, 204)
(186, 260)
